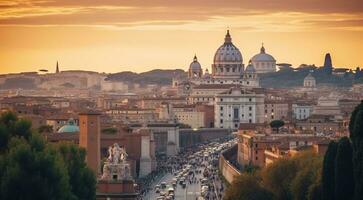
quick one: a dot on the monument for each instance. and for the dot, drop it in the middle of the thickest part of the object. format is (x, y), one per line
(116, 181)
(116, 166)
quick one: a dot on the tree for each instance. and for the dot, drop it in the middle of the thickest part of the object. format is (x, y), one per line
(277, 177)
(81, 178)
(32, 169)
(309, 168)
(32, 172)
(247, 187)
(45, 129)
(315, 191)
(277, 124)
(344, 181)
(356, 134)
(300, 184)
(328, 177)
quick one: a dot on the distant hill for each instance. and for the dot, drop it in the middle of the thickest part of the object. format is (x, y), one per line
(19, 82)
(157, 76)
(294, 78)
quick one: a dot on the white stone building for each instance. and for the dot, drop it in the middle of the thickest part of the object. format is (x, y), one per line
(301, 111)
(309, 81)
(238, 105)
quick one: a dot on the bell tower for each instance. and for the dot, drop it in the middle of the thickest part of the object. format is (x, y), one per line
(89, 138)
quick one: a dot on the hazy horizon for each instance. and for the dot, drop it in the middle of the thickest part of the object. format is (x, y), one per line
(118, 35)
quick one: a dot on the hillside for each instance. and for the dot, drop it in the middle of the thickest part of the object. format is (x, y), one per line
(157, 76)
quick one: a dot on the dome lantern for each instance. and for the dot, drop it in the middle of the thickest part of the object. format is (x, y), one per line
(263, 49)
(228, 39)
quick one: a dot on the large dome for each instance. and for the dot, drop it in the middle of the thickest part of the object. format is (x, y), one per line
(227, 52)
(263, 57)
(227, 61)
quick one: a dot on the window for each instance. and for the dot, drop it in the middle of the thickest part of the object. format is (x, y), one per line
(250, 114)
(249, 99)
(221, 108)
(221, 99)
(250, 121)
(221, 121)
(235, 113)
(250, 108)
(256, 158)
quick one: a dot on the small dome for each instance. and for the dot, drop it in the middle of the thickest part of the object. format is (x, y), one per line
(195, 65)
(228, 52)
(263, 56)
(70, 127)
(250, 68)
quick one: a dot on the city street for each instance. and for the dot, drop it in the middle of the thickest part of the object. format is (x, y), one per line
(197, 170)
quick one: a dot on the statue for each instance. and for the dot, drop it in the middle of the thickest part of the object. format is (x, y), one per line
(116, 166)
(123, 155)
(116, 153)
(109, 154)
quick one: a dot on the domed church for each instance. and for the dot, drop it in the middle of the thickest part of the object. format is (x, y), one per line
(227, 68)
(263, 62)
(195, 70)
(228, 62)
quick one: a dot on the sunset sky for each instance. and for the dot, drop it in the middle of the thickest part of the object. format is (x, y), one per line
(140, 35)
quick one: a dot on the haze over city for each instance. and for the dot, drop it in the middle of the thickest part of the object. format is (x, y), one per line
(181, 100)
(114, 36)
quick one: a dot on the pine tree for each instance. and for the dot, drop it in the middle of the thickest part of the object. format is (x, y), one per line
(344, 181)
(328, 172)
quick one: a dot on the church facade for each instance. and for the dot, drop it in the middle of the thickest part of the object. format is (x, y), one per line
(228, 67)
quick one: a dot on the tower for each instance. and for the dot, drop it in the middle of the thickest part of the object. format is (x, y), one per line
(89, 138)
(57, 68)
(328, 66)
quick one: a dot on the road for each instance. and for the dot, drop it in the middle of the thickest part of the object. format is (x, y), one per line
(202, 159)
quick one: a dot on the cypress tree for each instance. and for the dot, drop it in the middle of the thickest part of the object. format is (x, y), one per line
(329, 171)
(344, 181)
(357, 140)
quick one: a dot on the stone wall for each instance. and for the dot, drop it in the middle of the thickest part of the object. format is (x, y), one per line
(190, 137)
(228, 171)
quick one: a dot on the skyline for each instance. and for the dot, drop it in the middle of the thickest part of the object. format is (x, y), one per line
(112, 36)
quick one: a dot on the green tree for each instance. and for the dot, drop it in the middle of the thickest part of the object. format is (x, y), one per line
(301, 183)
(344, 181)
(32, 169)
(277, 177)
(81, 178)
(45, 129)
(315, 191)
(356, 134)
(277, 124)
(247, 187)
(328, 178)
(32, 172)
